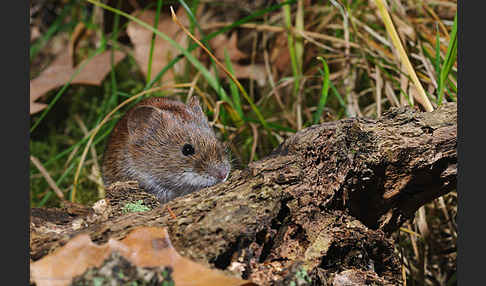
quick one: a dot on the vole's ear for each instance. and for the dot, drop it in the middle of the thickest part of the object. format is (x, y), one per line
(193, 103)
(141, 118)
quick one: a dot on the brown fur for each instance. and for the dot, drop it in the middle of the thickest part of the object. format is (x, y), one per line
(146, 145)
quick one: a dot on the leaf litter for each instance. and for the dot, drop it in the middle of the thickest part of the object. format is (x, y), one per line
(61, 70)
(164, 52)
(144, 247)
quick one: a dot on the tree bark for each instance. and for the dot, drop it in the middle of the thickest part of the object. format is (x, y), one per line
(326, 201)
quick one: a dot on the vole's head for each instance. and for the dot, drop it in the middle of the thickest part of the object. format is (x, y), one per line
(172, 148)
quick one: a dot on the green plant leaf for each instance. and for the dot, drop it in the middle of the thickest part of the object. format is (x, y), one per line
(449, 61)
(324, 91)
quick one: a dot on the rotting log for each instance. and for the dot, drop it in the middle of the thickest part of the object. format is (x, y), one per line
(326, 201)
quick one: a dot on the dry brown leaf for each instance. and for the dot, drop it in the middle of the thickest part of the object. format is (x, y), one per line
(221, 42)
(61, 70)
(255, 72)
(279, 56)
(163, 52)
(34, 33)
(36, 107)
(143, 247)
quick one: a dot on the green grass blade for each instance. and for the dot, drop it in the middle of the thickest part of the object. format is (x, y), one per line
(452, 86)
(324, 92)
(197, 64)
(251, 17)
(299, 41)
(234, 89)
(71, 166)
(214, 34)
(437, 54)
(449, 61)
(338, 96)
(114, 85)
(61, 91)
(45, 198)
(79, 143)
(292, 52)
(271, 125)
(152, 42)
(42, 41)
(194, 23)
(192, 18)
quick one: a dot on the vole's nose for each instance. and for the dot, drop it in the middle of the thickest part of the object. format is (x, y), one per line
(220, 172)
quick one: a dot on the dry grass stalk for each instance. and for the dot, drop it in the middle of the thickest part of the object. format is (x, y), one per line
(47, 177)
(421, 96)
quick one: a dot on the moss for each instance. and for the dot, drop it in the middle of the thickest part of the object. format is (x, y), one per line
(137, 206)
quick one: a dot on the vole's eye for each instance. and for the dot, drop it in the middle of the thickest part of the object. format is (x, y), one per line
(187, 149)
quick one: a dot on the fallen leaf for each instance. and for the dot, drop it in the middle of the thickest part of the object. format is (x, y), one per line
(280, 57)
(61, 70)
(221, 42)
(143, 247)
(36, 107)
(34, 33)
(71, 260)
(163, 52)
(255, 72)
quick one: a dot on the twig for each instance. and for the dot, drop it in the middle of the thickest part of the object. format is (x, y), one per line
(220, 65)
(255, 141)
(86, 133)
(97, 171)
(260, 27)
(379, 86)
(193, 84)
(48, 177)
(172, 214)
(390, 94)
